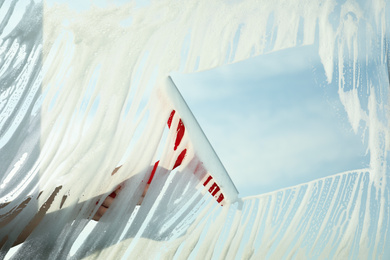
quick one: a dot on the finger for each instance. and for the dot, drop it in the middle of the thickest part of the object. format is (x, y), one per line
(96, 217)
(145, 190)
(112, 195)
(119, 188)
(143, 194)
(102, 210)
(99, 213)
(115, 192)
(107, 202)
(140, 200)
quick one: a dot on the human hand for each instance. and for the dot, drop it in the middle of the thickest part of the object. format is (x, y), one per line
(110, 198)
(106, 204)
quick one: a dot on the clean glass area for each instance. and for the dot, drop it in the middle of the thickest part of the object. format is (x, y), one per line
(273, 120)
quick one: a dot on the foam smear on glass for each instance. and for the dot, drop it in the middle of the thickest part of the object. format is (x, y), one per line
(86, 88)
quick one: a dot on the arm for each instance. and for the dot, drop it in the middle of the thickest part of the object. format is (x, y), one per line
(5, 219)
(33, 223)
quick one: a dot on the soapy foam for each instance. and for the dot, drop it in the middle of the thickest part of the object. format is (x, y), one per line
(92, 81)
